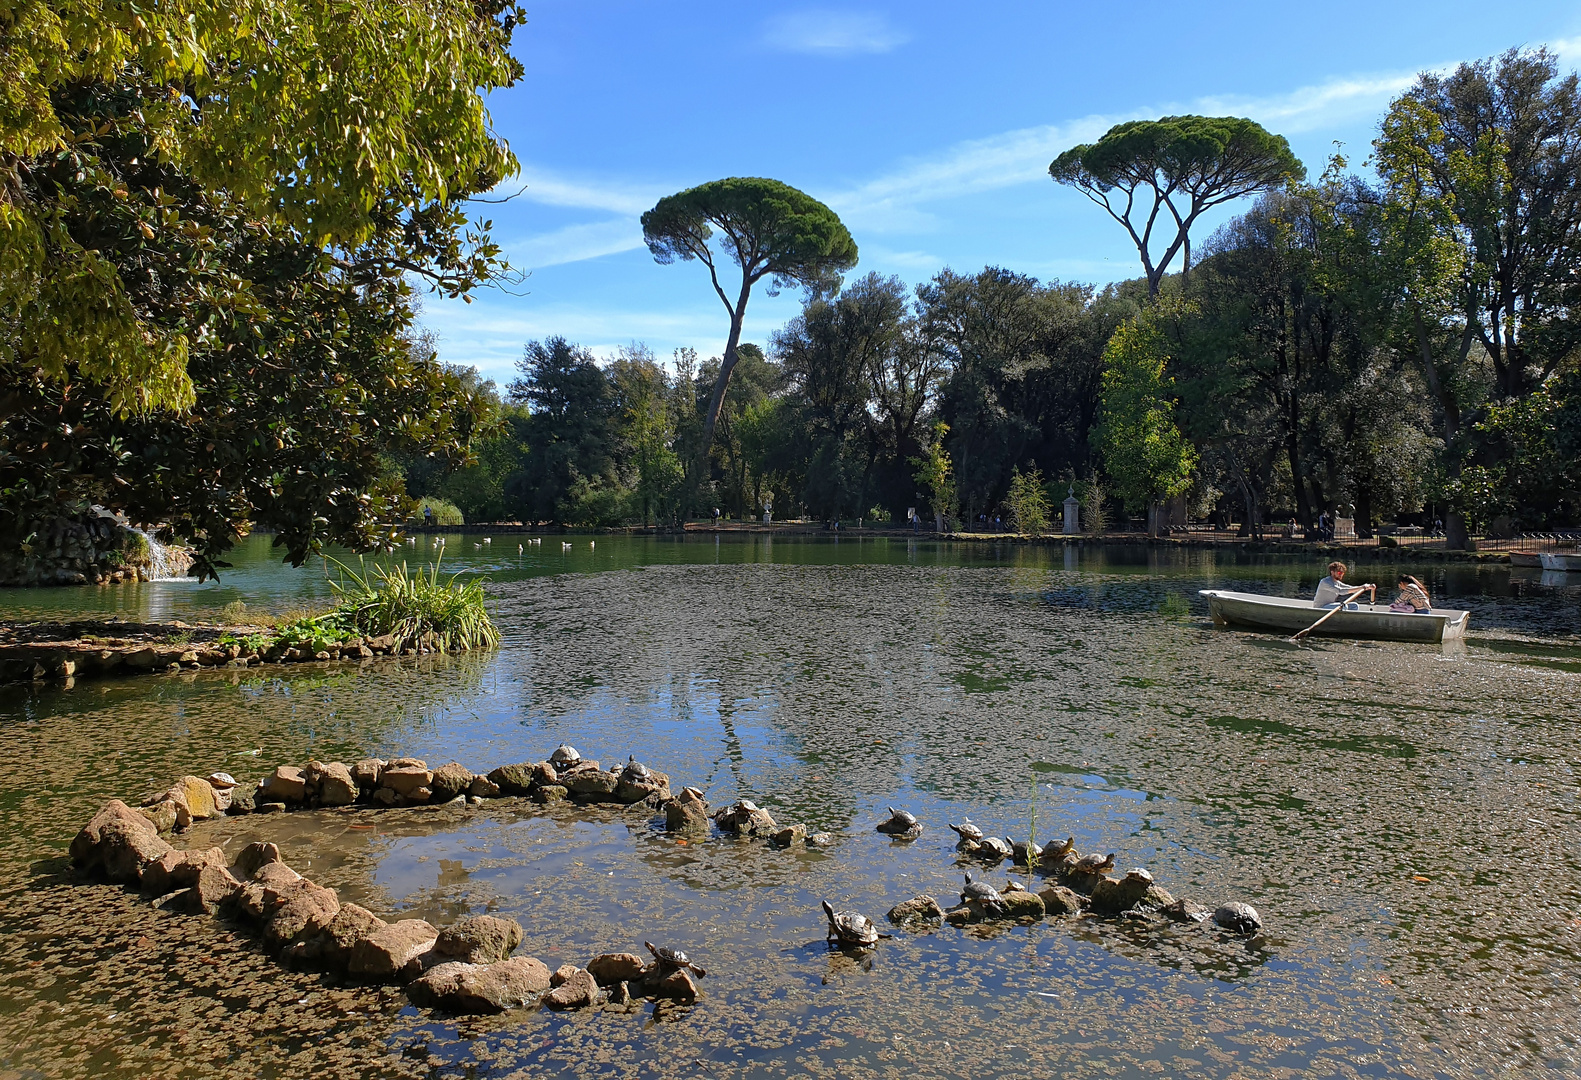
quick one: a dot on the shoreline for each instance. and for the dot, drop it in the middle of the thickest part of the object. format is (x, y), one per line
(45, 651)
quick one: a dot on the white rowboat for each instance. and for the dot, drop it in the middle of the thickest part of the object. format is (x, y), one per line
(1364, 621)
(1561, 560)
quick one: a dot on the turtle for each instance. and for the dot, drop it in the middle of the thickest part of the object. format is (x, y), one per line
(695, 793)
(968, 832)
(850, 927)
(635, 771)
(900, 824)
(221, 780)
(1094, 864)
(992, 847)
(1238, 918)
(1058, 850)
(1138, 876)
(984, 896)
(1012, 885)
(564, 757)
(672, 959)
(1022, 850)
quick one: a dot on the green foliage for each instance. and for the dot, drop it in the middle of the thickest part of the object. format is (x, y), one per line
(412, 606)
(935, 474)
(316, 633)
(1142, 449)
(1188, 164)
(334, 125)
(595, 504)
(443, 513)
(1028, 502)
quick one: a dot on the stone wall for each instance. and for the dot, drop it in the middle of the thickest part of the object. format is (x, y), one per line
(88, 549)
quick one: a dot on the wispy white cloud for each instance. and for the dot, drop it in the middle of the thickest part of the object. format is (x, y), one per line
(1568, 50)
(611, 196)
(896, 201)
(823, 31)
(573, 243)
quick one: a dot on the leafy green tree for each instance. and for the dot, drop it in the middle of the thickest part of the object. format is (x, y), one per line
(1028, 502)
(936, 475)
(570, 429)
(336, 126)
(1142, 449)
(642, 400)
(1179, 165)
(768, 229)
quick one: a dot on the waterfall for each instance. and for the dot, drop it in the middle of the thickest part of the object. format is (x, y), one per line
(164, 563)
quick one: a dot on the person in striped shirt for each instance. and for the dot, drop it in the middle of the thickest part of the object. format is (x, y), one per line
(1413, 596)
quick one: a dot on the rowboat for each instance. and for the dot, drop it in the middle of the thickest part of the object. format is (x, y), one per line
(1361, 621)
(1532, 560)
(1562, 560)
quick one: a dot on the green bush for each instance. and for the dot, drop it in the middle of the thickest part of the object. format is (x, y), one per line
(444, 513)
(1028, 502)
(411, 605)
(596, 505)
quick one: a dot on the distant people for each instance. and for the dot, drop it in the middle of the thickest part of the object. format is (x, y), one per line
(916, 522)
(428, 515)
(1413, 596)
(1438, 527)
(1332, 590)
(999, 525)
(1323, 527)
(716, 516)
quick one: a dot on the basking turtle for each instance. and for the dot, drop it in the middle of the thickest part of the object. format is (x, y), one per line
(1058, 850)
(850, 927)
(1012, 885)
(1094, 864)
(993, 848)
(635, 771)
(901, 825)
(565, 757)
(984, 896)
(1023, 851)
(1238, 918)
(672, 959)
(968, 832)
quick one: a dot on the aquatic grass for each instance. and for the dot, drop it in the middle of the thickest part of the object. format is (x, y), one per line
(415, 606)
(1032, 827)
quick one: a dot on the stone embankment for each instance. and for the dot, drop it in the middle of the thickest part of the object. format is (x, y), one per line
(90, 549)
(31, 652)
(469, 967)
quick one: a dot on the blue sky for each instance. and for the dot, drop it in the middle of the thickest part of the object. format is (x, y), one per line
(927, 126)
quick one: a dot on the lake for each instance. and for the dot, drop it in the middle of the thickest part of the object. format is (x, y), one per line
(1403, 816)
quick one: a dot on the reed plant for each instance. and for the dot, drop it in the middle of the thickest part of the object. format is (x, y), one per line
(415, 606)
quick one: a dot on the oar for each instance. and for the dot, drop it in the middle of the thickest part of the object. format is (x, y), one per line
(1331, 611)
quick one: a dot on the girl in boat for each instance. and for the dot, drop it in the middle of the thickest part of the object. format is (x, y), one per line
(1413, 596)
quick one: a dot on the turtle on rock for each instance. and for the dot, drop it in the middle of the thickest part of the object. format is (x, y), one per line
(1023, 851)
(969, 833)
(1094, 864)
(670, 960)
(900, 824)
(565, 757)
(983, 895)
(850, 927)
(1238, 918)
(635, 771)
(992, 849)
(1059, 849)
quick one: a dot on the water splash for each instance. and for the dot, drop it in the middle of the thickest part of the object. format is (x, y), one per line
(165, 563)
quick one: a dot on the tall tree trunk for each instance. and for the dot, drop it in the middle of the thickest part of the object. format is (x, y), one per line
(727, 364)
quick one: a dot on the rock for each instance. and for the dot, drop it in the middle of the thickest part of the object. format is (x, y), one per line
(609, 969)
(306, 909)
(592, 784)
(790, 834)
(821, 839)
(119, 840)
(271, 885)
(550, 793)
(655, 786)
(562, 973)
(480, 988)
(333, 945)
(255, 855)
(405, 777)
(212, 887)
(483, 788)
(1110, 896)
(330, 784)
(162, 815)
(577, 991)
(517, 779)
(241, 802)
(746, 819)
(960, 916)
(394, 953)
(270, 808)
(449, 781)
(1183, 910)
(179, 870)
(618, 994)
(687, 813)
(1156, 897)
(482, 939)
(285, 785)
(678, 986)
(366, 773)
(1023, 905)
(917, 909)
(197, 796)
(1058, 900)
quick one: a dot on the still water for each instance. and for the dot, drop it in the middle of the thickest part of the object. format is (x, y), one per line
(1404, 817)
